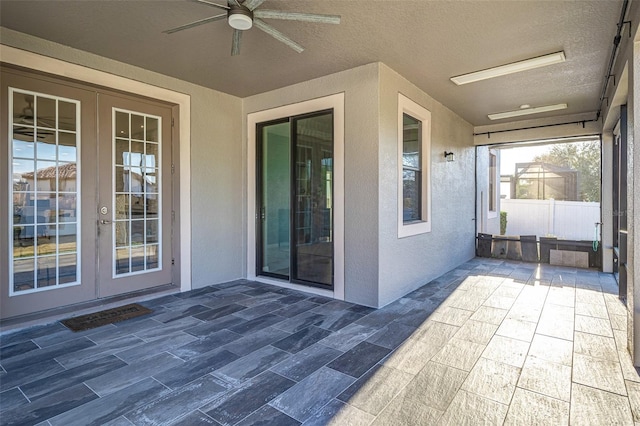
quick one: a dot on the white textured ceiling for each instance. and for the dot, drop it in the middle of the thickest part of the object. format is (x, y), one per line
(425, 41)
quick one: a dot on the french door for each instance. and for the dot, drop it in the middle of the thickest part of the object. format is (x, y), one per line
(295, 199)
(88, 185)
(134, 195)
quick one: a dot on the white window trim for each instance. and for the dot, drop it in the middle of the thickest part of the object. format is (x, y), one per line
(335, 102)
(492, 214)
(409, 107)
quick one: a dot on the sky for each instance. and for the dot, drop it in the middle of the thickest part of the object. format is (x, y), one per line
(510, 156)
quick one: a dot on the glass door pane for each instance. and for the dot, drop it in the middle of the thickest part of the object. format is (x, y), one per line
(313, 199)
(274, 199)
(136, 193)
(44, 193)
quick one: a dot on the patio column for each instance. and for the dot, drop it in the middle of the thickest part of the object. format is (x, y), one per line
(633, 200)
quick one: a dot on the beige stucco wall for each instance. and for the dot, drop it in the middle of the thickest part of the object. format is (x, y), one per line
(407, 263)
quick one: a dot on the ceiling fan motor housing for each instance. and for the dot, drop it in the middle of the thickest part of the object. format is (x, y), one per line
(239, 17)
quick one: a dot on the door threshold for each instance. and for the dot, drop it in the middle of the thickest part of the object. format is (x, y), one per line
(21, 322)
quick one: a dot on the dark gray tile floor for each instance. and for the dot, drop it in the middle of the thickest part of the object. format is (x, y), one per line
(491, 342)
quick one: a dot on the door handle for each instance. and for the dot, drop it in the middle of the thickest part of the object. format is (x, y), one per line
(104, 222)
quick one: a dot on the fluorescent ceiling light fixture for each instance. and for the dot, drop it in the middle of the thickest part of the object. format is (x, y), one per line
(527, 64)
(526, 111)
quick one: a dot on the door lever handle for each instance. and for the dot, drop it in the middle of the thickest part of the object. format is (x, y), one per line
(104, 222)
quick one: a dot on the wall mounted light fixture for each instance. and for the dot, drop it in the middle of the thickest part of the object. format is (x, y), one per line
(449, 156)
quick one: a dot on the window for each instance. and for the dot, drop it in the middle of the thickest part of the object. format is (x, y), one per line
(45, 229)
(137, 192)
(493, 179)
(414, 195)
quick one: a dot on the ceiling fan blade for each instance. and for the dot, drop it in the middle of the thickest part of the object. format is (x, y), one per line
(208, 3)
(252, 4)
(196, 23)
(277, 35)
(235, 44)
(294, 16)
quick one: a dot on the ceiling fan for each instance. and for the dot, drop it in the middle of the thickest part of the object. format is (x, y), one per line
(26, 117)
(242, 15)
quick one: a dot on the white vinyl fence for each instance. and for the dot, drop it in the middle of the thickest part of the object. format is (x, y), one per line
(571, 220)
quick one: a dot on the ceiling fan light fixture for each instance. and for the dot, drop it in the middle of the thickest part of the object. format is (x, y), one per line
(240, 18)
(527, 64)
(526, 111)
(240, 22)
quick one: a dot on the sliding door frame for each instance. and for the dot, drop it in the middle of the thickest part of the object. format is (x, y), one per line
(332, 102)
(260, 243)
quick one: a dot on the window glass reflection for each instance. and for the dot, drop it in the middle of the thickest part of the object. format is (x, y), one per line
(23, 146)
(23, 241)
(46, 149)
(152, 129)
(46, 112)
(122, 261)
(137, 258)
(152, 257)
(67, 268)
(122, 233)
(23, 274)
(67, 150)
(122, 125)
(136, 190)
(46, 273)
(66, 116)
(137, 127)
(122, 206)
(67, 238)
(46, 176)
(23, 111)
(411, 195)
(44, 191)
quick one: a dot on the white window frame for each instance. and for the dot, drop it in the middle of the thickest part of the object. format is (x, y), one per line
(496, 192)
(423, 226)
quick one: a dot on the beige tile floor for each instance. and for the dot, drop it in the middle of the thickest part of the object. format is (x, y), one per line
(546, 350)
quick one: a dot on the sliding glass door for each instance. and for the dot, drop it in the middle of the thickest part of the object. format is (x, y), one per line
(274, 201)
(295, 199)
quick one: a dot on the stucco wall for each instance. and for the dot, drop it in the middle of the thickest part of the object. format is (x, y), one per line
(216, 159)
(216, 187)
(359, 86)
(410, 262)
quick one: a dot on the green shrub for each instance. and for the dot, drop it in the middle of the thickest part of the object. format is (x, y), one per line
(503, 223)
